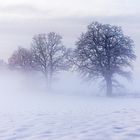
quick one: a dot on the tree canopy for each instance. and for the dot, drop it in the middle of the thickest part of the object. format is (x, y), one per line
(103, 51)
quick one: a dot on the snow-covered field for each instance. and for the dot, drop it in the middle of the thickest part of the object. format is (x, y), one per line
(28, 113)
(61, 117)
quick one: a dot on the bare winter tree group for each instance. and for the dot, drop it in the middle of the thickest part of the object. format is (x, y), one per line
(47, 54)
(103, 51)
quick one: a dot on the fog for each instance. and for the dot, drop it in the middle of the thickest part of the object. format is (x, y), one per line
(16, 84)
(31, 83)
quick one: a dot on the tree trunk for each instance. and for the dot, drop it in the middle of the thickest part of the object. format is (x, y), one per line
(109, 86)
(46, 80)
(50, 81)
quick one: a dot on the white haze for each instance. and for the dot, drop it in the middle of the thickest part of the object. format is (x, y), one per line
(17, 83)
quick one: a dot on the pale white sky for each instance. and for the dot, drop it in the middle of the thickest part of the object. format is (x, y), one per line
(65, 8)
(21, 19)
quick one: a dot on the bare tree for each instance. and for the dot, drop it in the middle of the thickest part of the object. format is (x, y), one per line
(21, 59)
(49, 54)
(104, 51)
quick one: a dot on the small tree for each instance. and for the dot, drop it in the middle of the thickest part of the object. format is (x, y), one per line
(21, 59)
(104, 51)
(49, 54)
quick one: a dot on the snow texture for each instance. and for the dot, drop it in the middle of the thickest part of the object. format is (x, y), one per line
(59, 117)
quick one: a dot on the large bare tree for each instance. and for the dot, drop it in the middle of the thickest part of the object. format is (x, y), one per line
(104, 51)
(49, 54)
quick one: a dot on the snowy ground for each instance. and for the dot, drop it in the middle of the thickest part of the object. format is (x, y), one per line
(28, 113)
(59, 117)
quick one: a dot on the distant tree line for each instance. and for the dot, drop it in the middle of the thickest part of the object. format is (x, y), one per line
(103, 51)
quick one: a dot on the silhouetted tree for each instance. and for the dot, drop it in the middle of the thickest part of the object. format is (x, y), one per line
(104, 51)
(49, 54)
(21, 59)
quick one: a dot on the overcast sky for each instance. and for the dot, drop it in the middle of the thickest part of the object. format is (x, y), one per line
(20, 20)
